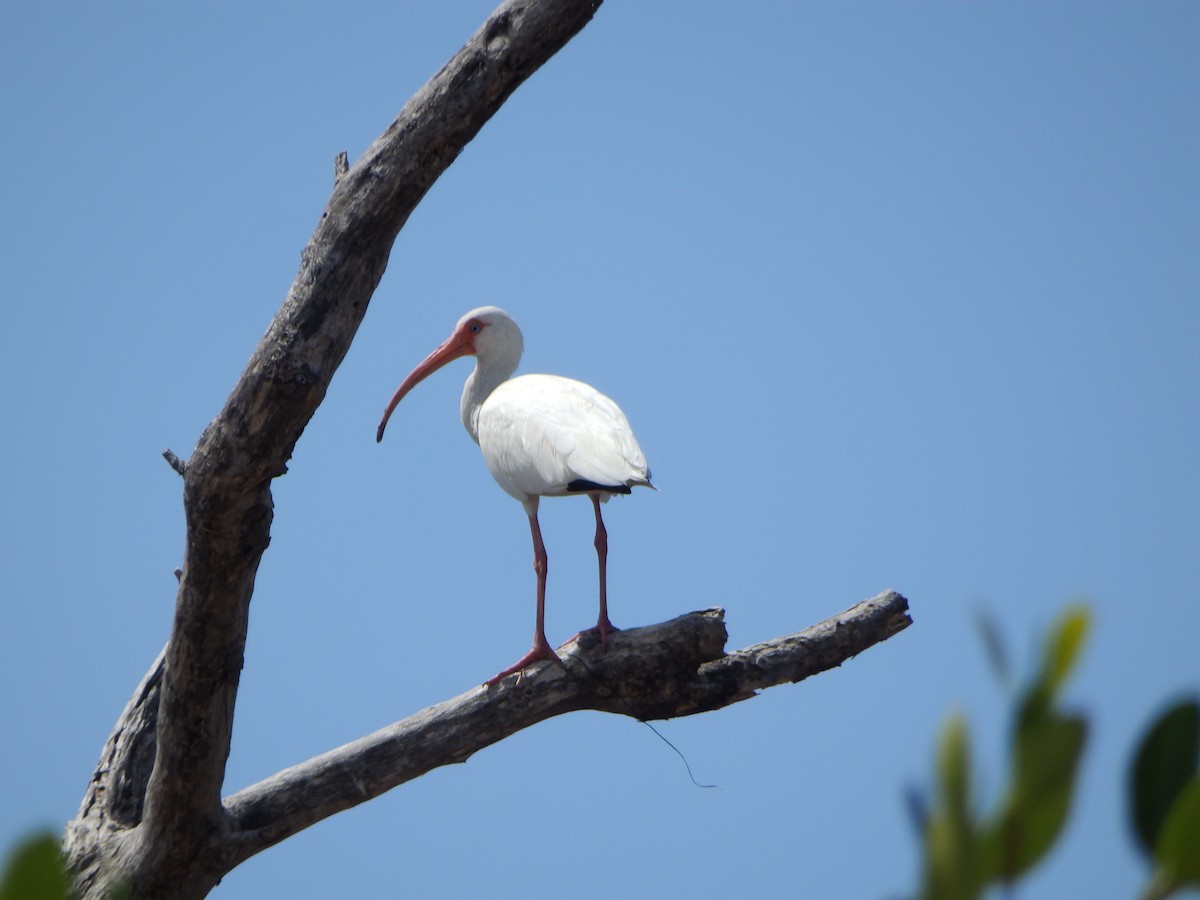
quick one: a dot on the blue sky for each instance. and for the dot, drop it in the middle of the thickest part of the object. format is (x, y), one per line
(894, 296)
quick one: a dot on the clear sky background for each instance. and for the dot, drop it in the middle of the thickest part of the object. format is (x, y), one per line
(895, 296)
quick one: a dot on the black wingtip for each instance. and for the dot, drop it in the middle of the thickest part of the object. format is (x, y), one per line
(583, 486)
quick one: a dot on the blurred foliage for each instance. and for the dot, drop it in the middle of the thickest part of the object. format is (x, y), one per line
(1164, 799)
(966, 851)
(34, 871)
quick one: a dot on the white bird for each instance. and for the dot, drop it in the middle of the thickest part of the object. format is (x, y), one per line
(541, 436)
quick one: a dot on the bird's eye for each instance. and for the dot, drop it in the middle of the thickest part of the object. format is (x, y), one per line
(474, 328)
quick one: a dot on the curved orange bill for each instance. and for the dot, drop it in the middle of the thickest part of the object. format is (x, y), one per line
(460, 343)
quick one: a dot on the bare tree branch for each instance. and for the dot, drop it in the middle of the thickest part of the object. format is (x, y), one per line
(179, 465)
(676, 668)
(153, 819)
(227, 497)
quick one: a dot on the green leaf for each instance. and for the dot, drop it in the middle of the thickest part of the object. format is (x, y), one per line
(35, 871)
(949, 853)
(954, 766)
(1063, 646)
(1045, 766)
(1178, 847)
(1165, 760)
(1060, 653)
(963, 855)
(950, 834)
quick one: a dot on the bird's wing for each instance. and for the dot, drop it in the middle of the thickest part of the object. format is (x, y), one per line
(540, 433)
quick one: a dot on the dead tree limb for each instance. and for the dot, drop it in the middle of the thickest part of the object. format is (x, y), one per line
(676, 668)
(227, 494)
(153, 820)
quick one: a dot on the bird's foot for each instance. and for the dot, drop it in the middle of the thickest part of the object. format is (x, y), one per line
(603, 628)
(540, 650)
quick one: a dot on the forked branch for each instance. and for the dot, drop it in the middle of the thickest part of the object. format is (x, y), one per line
(153, 820)
(158, 838)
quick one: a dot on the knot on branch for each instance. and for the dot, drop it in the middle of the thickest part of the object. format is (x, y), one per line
(495, 35)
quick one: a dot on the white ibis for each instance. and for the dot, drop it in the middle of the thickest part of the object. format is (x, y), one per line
(541, 436)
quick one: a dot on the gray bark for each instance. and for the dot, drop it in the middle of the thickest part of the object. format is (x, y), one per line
(675, 668)
(672, 669)
(153, 819)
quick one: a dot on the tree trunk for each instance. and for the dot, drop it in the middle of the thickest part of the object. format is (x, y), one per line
(153, 820)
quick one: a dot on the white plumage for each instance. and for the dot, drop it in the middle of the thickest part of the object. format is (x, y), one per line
(541, 436)
(541, 433)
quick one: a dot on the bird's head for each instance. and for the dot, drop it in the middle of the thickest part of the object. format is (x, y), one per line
(491, 334)
(488, 333)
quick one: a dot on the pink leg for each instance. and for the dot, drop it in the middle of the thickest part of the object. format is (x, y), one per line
(541, 648)
(603, 625)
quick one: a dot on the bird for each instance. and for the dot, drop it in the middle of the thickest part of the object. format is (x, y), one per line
(540, 436)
